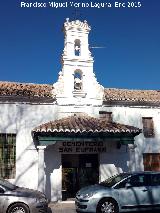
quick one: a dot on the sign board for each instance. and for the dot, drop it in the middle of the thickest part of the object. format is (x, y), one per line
(82, 147)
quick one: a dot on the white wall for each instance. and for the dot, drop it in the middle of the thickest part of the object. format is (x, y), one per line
(22, 118)
(133, 116)
(114, 161)
(53, 173)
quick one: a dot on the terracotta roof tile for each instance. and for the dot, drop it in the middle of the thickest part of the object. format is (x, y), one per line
(85, 124)
(46, 90)
(25, 89)
(151, 96)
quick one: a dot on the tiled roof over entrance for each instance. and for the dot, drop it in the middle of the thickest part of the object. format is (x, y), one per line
(151, 96)
(84, 124)
(25, 89)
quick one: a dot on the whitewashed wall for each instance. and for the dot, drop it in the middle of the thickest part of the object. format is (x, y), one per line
(53, 173)
(133, 116)
(114, 161)
(22, 118)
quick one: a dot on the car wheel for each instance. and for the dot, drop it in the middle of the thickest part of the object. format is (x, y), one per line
(18, 208)
(107, 206)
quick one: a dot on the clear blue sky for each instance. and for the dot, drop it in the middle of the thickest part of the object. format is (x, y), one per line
(31, 43)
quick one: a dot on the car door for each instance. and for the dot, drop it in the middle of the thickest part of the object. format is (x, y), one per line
(134, 192)
(155, 190)
(2, 198)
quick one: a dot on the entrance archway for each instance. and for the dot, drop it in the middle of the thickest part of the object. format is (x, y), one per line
(80, 128)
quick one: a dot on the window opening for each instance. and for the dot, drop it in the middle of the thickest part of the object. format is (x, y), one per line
(77, 80)
(77, 47)
(148, 127)
(106, 115)
(151, 161)
(7, 155)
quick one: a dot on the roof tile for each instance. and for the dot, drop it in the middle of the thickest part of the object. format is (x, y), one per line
(25, 89)
(84, 124)
(46, 90)
(152, 96)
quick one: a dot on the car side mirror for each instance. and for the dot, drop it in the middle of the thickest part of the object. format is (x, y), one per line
(128, 185)
(1, 190)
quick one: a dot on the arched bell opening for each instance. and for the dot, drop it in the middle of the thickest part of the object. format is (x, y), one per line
(78, 81)
(77, 47)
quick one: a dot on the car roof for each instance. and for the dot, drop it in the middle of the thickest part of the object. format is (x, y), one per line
(142, 172)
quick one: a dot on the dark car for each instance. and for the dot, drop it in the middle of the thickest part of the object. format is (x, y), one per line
(121, 193)
(14, 199)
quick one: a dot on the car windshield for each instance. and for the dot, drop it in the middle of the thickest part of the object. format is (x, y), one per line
(113, 180)
(7, 184)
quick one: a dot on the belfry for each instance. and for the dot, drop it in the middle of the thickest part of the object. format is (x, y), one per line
(77, 79)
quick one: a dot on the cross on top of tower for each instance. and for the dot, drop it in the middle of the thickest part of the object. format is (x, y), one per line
(76, 14)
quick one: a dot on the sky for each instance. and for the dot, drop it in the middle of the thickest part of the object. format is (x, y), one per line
(32, 41)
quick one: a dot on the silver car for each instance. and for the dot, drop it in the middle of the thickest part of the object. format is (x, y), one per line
(14, 199)
(121, 193)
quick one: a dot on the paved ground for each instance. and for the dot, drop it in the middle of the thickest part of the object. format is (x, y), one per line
(62, 207)
(69, 207)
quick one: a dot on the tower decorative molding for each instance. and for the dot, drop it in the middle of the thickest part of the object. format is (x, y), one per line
(59, 85)
(77, 80)
(76, 24)
(74, 32)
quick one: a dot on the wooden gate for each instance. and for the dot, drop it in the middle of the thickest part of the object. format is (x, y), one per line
(151, 161)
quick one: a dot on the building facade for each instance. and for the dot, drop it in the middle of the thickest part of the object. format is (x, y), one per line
(58, 138)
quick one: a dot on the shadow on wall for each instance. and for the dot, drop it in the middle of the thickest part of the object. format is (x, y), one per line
(52, 161)
(109, 170)
(25, 169)
(114, 161)
(25, 118)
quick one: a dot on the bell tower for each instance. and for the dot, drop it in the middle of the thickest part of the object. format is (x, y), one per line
(77, 79)
(76, 41)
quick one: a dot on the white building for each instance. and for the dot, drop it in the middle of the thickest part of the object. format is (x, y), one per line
(60, 137)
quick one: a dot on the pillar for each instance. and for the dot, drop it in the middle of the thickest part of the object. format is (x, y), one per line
(41, 172)
(132, 159)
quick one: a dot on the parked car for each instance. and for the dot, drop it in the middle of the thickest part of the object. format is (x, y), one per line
(121, 193)
(14, 199)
